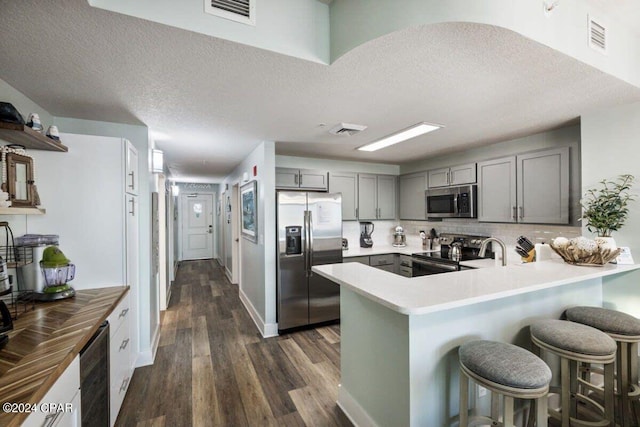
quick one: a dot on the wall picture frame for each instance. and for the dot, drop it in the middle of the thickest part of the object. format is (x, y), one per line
(249, 211)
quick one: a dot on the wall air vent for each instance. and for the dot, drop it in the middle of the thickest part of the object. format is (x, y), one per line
(347, 129)
(597, 35)
(243, 11)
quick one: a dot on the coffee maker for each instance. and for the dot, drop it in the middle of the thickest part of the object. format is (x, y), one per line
(366, 230)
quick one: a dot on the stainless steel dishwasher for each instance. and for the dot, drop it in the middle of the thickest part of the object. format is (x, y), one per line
(94, 379)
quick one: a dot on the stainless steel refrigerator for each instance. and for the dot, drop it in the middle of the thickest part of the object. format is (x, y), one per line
(309, 233)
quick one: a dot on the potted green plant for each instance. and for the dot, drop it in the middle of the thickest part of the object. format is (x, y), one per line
(605, 208)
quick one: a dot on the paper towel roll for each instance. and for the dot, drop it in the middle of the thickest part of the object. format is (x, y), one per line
(543, 252)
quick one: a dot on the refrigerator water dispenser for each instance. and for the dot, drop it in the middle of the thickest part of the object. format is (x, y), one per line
(294, 240)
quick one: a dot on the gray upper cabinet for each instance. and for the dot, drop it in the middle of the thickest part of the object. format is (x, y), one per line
(543, 187)
(497, 190)
(528, 188)
(346, 183)
(301, 179)
(456, 175)
(412, 197)
(367, 196)
(376, 197)
(386, 197)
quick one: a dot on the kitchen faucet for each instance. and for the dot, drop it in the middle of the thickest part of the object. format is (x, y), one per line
(485, 243)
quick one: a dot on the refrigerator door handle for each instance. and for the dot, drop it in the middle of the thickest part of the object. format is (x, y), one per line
(306, 243)
(310, 224)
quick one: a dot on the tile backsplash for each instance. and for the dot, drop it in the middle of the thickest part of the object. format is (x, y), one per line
(383, 233)
(537, 233)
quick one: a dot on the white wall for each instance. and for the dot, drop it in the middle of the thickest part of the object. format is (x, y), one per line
(258, 260)
(336, 165)
(610, 147)
(292, 27)
(354, 22)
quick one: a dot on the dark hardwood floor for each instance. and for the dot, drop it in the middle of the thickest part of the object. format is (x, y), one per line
(214, 369)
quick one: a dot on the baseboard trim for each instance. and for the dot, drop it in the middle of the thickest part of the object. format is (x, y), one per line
(145, 358)
(352, 409)
(266, 329)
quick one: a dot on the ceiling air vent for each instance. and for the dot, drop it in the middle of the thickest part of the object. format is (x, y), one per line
(243, 11)
(597, 35)
(347, 129)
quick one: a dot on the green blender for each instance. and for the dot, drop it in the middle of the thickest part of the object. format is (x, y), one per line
(58, 271)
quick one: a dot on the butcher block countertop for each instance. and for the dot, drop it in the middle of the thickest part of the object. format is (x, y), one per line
(44, 341)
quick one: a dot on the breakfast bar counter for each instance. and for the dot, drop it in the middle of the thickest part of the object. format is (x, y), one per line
(44, 342)
(399, 336)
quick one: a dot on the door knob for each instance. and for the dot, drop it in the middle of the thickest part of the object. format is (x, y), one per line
(210, 229)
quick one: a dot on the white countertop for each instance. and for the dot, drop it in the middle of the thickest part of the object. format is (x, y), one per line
(429, 294)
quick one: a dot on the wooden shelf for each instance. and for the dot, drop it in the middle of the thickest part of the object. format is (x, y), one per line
(29, 138)
(22, 211)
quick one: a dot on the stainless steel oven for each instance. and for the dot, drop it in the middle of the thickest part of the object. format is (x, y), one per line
(427, 268)
(445, 260)
(452, 202)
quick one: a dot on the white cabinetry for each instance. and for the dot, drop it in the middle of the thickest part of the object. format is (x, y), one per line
(527, 188)
(412, 196)
(63, 401)
(120, 356)
(376, 197)
(346, 183)
(131, 168)
(301, 179)
(455, 175)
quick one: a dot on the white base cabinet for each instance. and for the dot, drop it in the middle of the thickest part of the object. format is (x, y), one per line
(62, 401)
(120, 356)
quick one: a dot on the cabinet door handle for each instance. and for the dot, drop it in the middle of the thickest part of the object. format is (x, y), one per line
(133, 207)
(453, 177)
(521, 212)
(123, 387)
(514, 212)
(50, 419)
(295, 179)
(124, 344)
(300, 180)
(448, 177)
(133, 180)
(356, 213)
(123, 313)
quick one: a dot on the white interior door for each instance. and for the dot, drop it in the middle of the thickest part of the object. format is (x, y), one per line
(197, 226)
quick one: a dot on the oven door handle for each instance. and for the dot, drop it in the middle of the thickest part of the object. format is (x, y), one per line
(442, 265)
(455, 204)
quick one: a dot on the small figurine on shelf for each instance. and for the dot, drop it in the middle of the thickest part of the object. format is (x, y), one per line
(53, 133)
(34, 122)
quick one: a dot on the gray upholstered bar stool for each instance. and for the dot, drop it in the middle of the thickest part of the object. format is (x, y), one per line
(625, 330)
(576, 343)
(503, 369)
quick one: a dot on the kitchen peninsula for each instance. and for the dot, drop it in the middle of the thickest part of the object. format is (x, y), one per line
(400, 335)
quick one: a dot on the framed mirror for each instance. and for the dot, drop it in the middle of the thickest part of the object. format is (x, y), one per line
(20, 180)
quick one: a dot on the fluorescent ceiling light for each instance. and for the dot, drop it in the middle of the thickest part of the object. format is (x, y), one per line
(412, 132)
(157, 161)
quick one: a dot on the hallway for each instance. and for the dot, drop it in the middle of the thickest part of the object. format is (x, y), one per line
(213, 368)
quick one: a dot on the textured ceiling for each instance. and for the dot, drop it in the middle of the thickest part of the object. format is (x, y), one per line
(216, 100)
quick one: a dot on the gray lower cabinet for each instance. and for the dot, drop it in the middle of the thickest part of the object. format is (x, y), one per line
(346, 183)
(376, 197)
(527, 188)
(301, 179)
(412, 196)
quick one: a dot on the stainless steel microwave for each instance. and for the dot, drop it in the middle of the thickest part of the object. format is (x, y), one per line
(452, 202)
